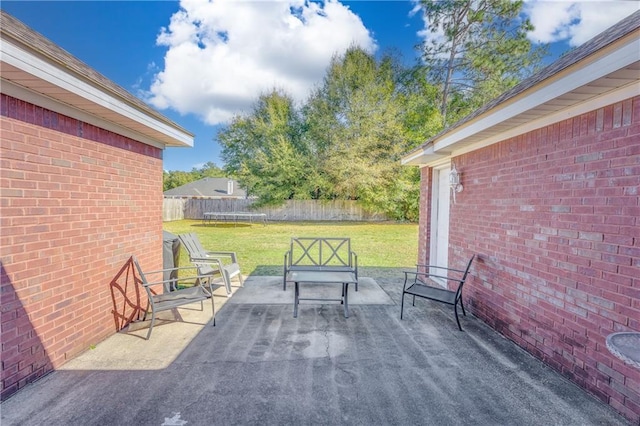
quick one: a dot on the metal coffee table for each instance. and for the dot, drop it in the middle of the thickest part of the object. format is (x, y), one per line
(322, 277)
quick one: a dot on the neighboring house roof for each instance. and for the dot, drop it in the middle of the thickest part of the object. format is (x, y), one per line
(208, 188)
(36, 70)
(602, 71)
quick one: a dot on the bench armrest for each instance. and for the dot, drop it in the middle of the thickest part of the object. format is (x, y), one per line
(418, 265)
(354, 262)
(425, 275)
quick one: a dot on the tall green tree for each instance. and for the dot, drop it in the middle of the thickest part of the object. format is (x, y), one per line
(174, 178)
(358, 121)
(478, 50)
(266, 152)
(345, 142)
(209, 169)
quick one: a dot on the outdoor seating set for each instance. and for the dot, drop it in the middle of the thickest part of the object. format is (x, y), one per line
(307, 261)
(320, 261)
(214, 269)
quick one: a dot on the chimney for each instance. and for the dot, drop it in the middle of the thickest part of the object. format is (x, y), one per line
(229, 187)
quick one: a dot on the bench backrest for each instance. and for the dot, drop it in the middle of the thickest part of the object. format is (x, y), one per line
(464, 278)
(328, 252)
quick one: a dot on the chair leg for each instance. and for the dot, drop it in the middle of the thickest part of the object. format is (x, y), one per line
(227, 281)
(402, 306)
(213, 310)
(153, 320)
(462, 306)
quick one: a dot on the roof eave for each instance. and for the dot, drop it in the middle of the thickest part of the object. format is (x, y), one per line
(608, 75)
(32, 67)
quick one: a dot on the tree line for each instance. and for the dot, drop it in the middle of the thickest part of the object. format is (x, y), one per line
(346, 140)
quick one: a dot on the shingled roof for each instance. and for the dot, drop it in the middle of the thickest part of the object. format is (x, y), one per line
(209, 187)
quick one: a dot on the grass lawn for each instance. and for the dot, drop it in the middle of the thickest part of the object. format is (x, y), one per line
(261, 249)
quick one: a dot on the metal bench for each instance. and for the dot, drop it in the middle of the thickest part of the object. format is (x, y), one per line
(320, 254)
(417, 284)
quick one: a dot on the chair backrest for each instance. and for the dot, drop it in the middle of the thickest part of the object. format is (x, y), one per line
(309, 251)
(141, 279)
(464, 278)
(192, 244)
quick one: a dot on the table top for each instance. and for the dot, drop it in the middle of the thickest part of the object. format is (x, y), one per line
(322, 277)
(626, 346)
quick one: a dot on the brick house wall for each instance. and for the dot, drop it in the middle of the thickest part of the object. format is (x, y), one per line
(554, 216)
(76, 202)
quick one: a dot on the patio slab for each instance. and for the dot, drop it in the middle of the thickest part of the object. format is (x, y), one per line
(268, 290)
(259, 365)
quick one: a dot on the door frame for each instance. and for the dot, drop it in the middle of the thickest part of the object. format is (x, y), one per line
(439, 256)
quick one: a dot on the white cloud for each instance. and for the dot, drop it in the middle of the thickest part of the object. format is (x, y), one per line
(575, 22)
(223, 54)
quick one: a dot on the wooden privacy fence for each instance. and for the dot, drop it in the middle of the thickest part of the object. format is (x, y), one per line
(292, 210)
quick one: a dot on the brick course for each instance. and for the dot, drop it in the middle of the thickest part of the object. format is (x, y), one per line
(76, 201)
(554, 216)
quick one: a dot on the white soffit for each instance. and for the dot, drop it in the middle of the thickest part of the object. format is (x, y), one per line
(418, 156)
(23, 68)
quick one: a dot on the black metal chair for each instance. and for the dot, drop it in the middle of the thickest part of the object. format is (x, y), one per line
(417, 284)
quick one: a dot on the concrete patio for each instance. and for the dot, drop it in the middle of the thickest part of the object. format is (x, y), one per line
(259, 365)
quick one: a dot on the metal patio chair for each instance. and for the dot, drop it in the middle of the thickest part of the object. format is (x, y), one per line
(224, 263)
(199, 289)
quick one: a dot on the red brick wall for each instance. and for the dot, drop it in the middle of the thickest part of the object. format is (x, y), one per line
(554, 216)
(76, 201)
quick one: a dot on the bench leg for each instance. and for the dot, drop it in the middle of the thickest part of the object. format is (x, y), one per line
(284, 275)
(455, 311)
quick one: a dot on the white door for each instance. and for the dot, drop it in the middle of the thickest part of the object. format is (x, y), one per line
(439, 251)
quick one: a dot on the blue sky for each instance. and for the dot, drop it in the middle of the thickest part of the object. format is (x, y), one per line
(200, 62)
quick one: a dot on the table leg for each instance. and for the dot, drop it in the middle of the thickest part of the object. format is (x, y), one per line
(295, 299)
(345, 291)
